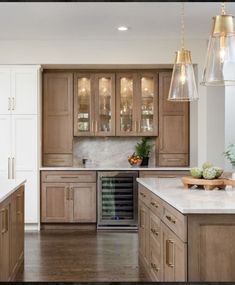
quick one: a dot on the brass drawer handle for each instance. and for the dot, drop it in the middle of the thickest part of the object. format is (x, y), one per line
(154, 266)
(169, 218)
(142, 194)
(155, 232)
(67, 193)
(18, 200)
(66, 177)
(170, 253)
(154, 204)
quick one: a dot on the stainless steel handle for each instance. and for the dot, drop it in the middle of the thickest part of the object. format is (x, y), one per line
(13, 168)
(67, 192)
(170, 253)
(96, 126)
(9, 170)
(18, 208)
(139, 126)
(13, 103)
(71, 193)
(9, 103)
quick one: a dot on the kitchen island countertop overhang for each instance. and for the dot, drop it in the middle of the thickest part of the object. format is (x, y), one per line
(8, 187)
(191, 201)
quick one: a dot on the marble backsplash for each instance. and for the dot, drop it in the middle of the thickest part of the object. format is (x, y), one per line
(107, 151)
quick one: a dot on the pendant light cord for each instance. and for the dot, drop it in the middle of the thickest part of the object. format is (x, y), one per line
(222, 8)
(182, 25)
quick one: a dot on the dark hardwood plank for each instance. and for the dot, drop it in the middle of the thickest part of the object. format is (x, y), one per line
(81, 256)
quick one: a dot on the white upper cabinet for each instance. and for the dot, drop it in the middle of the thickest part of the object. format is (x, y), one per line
(24, 91)
(5, 91)
(19, 90)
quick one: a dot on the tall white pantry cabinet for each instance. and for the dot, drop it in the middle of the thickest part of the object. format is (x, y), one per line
(20, 131)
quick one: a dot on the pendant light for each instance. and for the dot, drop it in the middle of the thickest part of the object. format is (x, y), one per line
(220, 60)
(183, 85)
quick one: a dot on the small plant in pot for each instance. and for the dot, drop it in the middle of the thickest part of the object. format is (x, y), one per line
(229, 153)
(143, 149)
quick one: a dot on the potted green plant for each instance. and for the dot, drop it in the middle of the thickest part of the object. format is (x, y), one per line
(229, 153)
(143, 149)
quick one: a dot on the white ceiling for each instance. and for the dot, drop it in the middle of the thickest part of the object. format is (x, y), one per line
(43, 21)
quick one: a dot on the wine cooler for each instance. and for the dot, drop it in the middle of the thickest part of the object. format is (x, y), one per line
(117, 199)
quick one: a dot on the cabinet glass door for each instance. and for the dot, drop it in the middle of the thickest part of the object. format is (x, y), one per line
(105, 107)
(82, 107)
(147, 124)
(126, 124)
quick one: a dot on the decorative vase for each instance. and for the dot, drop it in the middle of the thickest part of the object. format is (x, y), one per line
(145, 161)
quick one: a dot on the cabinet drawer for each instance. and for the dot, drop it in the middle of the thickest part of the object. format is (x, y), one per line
(57, 160)
(163, 174)
(175, 221)
(68, 176)
(144, 195)
(173, 160)
(156, 205)
(155, 261)
(155, 228)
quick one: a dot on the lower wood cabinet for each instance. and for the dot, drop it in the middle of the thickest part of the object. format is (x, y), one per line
(11, 235)
(64, 202)
(143, 233)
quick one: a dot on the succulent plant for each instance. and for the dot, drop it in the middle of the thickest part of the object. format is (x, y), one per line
(196, 172)
(207, 165)
(219, 171)
(209, 173)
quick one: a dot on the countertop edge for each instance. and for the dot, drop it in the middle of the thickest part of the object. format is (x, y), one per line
(10, 192)
(186, 211)
(116, 168)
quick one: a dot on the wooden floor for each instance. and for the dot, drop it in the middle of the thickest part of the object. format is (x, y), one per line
(81, 256)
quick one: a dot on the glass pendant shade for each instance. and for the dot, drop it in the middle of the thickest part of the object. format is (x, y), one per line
(220, 60)
(183, 85)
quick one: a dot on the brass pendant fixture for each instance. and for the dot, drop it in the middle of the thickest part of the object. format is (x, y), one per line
(220, 60)
(183, 85)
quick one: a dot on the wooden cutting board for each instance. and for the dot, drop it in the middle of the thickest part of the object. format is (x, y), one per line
(207, 184)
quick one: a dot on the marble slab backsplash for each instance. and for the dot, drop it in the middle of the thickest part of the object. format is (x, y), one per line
(107, 151)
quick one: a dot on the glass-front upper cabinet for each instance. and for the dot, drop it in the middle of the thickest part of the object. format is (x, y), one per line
(83, 115)
(126, 101)
(105, 104)
(147, 109)
(94, 104)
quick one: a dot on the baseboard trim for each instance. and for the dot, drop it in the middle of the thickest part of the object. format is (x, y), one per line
(69, 226)
(29, 227)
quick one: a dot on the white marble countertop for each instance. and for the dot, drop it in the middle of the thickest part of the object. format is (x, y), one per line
(191, 201)
(99, 168)
(8, 187)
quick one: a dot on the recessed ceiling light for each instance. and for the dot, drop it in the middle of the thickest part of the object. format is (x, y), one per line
(122, 28)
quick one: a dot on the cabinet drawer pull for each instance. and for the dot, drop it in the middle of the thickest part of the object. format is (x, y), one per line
(155, 232)
(69, 177)
(154, 204)
(67, 192)
(170, 253)
(71, 193)
(142, 194)
(154, 266)
(169, 218)
(9, 103)
(18, 200)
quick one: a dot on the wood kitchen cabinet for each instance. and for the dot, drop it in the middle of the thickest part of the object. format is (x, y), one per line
(173, 140)
(68, 197)
(57, 119)
(11, 235)
(166, 258)
(137, 104)
(94, 104)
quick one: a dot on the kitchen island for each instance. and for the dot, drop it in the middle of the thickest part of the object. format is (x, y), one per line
(186, 234)
(11, 228)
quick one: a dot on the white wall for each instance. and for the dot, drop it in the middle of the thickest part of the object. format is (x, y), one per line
(145, 51)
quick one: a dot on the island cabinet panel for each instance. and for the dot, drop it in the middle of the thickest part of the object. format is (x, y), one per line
(57, 119)
(173, 141)
(68, 197)
(211, 248)
(143, 233)
(163, 239)
(84, 202)
(11, 235)
(174, 256)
